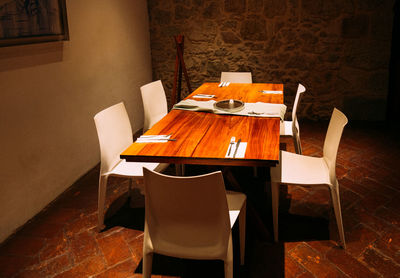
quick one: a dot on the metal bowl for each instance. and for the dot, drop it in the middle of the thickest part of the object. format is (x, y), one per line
(229, 105)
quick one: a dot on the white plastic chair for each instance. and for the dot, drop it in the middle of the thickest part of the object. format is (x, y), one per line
(155, 108)
(295, 169)
(291, 128)
(236, 77)
(115, 135)
(191, 218)
(154, 103)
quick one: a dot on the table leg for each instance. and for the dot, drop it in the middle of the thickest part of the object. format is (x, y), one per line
(253, 215)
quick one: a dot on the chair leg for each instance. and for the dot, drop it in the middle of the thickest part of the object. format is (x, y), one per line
(338, 212)
(275, 207)
(179, 170)
(228, 262)
(242, 232)
(101, 201)
(297, 144)
(147, 264)
(147, 253)
(255, 172)
(130, 186)
(131, 202)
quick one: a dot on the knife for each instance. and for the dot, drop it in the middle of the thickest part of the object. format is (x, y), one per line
(156, 136)
(237, 147)
(203, 95)
(151, 140)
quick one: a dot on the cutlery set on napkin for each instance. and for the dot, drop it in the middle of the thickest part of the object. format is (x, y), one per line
(224, 84)
(154, 139)
(236, 149)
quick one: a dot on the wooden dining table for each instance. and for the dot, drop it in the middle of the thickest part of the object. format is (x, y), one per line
(203, 138)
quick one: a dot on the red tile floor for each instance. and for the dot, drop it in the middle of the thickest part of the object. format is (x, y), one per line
(62, 240)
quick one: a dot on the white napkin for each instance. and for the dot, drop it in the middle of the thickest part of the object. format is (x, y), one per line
(203, 96)
(271, 92)
(240, 152)
(153, 139)
(195, 105)
(261, 109)
(258, 109)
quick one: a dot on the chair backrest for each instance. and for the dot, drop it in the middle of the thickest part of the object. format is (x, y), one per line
(115, 134)
(332, 140)
(295, 124)
(236, 77)
(154, 103)
(187, 217)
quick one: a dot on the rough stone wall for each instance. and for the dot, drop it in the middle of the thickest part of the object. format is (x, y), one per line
(338, 49)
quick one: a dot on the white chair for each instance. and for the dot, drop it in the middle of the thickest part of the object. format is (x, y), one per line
(154, 103)
(191, 218)
(115, 135)
(291, 128)
(236, 77)
(295, 169)
(155, 108)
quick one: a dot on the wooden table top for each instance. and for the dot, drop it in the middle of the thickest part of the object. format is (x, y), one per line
(203, 138)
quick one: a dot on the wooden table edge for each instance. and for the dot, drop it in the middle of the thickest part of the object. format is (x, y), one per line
(202, 161)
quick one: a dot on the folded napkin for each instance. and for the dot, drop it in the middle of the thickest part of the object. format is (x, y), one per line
(153, 139)
(262, 109)
(271, 92)
(258, 109)
(195, 105)
(203, 96)
(240, 152)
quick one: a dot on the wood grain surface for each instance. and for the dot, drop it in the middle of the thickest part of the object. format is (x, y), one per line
(203, 138)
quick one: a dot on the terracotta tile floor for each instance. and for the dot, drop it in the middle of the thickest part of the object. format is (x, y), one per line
(62, 240)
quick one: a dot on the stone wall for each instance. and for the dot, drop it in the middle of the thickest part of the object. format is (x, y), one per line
(338, 49)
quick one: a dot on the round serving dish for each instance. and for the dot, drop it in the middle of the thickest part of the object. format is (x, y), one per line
(229, 105)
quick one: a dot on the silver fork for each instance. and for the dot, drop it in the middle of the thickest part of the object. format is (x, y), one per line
(237, 147)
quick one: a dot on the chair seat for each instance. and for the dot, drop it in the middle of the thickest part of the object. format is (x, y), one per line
(135, 169)
(286, 129)
(300, 169)
(235, 203)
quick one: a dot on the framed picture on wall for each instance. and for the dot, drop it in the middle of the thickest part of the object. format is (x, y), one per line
(32, 21)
